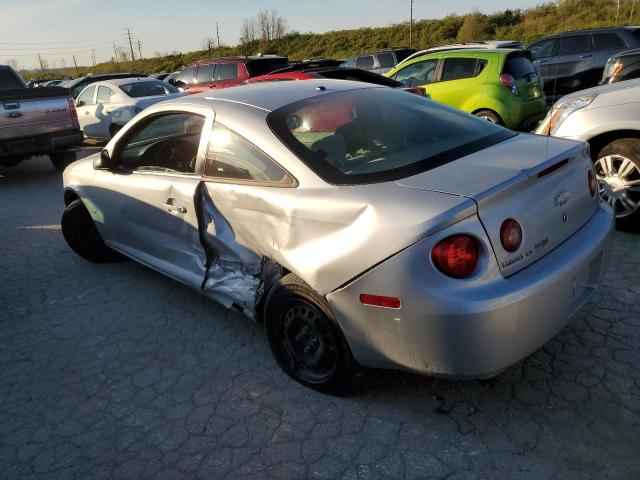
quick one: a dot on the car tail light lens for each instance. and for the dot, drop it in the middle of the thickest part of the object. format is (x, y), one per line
(510, 235)
(593, 183)
(509, 82)
(416, 90)
(456, 256)
(74, 113)
(380, 301)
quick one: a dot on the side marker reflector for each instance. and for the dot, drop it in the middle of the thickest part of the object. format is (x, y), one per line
(380, 301)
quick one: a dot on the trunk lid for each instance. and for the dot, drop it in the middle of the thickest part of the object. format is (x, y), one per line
(543, 187)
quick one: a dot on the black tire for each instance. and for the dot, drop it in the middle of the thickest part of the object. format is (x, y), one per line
(306, 340)
(83, 237)
(62, 160)
(490, 116)
(614, 175)
(113, 129)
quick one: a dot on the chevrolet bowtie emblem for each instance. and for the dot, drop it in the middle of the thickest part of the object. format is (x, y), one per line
(561, 198)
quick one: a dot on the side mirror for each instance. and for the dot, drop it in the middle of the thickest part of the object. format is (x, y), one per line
(103, 162)
(79, 103)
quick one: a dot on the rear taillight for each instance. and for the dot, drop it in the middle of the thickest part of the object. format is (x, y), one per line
(456, 256)
(593, 183)
(74, 113)
(509, 82)
(416, 90)
(510, 235)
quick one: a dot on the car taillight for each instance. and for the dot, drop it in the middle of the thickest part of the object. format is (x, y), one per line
(74, 113)
(509, 82)
(593, 183)
(510, 235)
(456, 256)
(416, 90)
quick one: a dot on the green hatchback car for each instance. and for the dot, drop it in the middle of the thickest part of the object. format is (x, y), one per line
(500, 85)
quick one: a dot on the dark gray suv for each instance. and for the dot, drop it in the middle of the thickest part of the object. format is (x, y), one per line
(573, 61)
(379, 62)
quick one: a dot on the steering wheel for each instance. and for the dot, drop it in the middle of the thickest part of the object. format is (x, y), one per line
(177, 154)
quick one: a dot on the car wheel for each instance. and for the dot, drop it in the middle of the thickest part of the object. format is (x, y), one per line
(490, 116)
(113, 129)
(306, 339)
(618, 171)
(61, 160)
(83, 237)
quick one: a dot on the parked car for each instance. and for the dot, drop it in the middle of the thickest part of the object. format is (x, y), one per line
(573, 61)
(608, 117)
(381, 61)
(331, 69)
(77, 85)
(622, 66)
(36, 121)
(342, 240)
(52, 83)
(160, 76)
(105, 107)
(485, 44)
(224, 72)
(499, 85)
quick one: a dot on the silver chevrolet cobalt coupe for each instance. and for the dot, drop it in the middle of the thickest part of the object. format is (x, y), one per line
(364, 226)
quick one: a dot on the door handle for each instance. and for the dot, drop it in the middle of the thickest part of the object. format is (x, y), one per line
(586, 56)
(170, 203)
(86, 112)
(543, 61)
(212, 85)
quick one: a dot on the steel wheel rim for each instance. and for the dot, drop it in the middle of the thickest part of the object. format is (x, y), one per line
(488, 118)
(619, 184)
(308, 342)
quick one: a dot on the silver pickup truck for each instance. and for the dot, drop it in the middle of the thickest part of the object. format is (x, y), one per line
(36, 121)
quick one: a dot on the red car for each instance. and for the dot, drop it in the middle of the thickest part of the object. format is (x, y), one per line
(331, 69)
(223, 72)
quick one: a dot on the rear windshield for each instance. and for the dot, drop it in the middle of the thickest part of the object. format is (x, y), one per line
(359, 76)
(518, 66)
(148, 89)
(376, 134)
(267, 65)
(9, 80)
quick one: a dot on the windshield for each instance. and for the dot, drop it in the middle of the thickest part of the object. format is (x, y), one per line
(148, 89)
(378, 134)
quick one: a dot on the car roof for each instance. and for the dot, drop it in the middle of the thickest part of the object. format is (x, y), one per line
(474, 52)
(125, 81)
(269, 96)
(237, 59)
(589, 30)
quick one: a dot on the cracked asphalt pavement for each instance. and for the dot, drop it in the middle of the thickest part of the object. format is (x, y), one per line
(114, 371)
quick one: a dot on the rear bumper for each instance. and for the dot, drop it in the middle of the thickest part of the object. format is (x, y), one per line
(477, 330)
(41, 144)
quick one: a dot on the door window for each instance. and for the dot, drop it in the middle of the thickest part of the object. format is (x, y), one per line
(227, 71)
(350, 63)
(365, 63)
(418, 73)
(386, 60)
(458, 68)
(608, 41)
(104, 94)
(186, 75)
(545, 48)
(164, 143)
(574, 44)
(230, 156)
(205, 73)
(86, 98)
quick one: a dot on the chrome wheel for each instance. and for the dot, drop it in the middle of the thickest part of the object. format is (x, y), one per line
(619, 183)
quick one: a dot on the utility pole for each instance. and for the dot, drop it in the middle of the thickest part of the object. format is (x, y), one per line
(139, 49)
(41, 62)
(75, 64)
(130, 44)
(617, 12)
(115, 52)
(218, 35)
(93, 56)
(411, 25)
(633, 3)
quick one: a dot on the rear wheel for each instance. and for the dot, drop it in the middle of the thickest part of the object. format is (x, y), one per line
(490, 116)
(61, 160)
(306, 340)
(618, 171)
(83, 237)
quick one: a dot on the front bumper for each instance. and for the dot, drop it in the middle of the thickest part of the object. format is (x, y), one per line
(478, 330)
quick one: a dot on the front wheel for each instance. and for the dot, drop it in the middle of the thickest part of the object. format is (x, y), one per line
(617, 169)
(62, 160)
(306, 340)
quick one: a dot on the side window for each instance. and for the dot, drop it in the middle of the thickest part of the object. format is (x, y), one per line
(227, 71)
(104, 94)
(186, 75)
(205, 73)
(350, 63)
(86, 98)
(418, 73)
(608, 41)
(458, 68)
(232, 157)
(365, 63)
(165, 143)
(386, 60)
(574, 44)
(545, 48)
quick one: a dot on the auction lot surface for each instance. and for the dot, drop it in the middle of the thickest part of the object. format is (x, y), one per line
(114, 371)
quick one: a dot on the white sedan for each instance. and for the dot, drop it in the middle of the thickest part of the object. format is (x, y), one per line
(104, 107)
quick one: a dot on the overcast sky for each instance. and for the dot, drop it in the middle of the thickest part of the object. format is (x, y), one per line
(59, 29)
